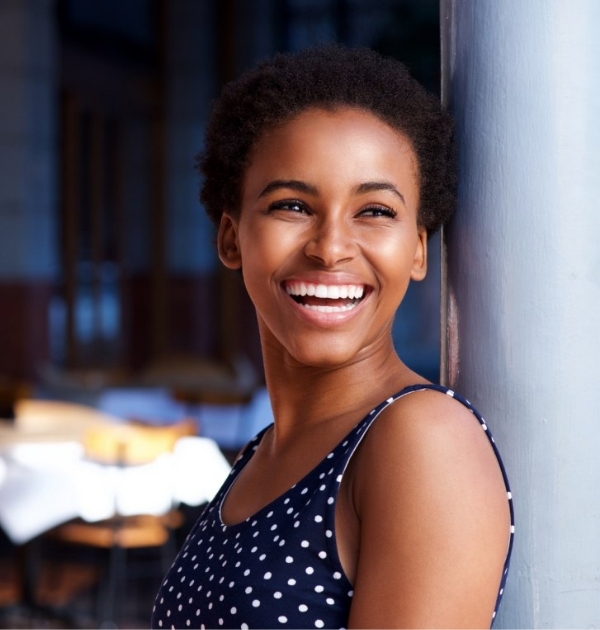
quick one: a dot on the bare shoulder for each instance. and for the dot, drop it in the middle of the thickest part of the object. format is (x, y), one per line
(435, 524)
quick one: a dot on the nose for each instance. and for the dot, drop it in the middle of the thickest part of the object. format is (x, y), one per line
(331, 242)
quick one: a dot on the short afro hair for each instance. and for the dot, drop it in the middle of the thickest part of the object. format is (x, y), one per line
(327, 77)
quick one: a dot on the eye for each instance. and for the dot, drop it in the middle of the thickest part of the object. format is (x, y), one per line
(377, 211)
(291, 205)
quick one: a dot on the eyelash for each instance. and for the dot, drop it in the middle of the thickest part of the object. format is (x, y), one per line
(288, 204)
(382, 210)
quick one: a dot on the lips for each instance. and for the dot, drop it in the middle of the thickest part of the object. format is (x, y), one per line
(325, 298)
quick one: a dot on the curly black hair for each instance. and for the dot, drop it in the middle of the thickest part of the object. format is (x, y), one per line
(327, 77)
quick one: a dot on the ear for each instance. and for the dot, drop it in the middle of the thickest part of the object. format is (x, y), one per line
(419, 268)
(227, 242)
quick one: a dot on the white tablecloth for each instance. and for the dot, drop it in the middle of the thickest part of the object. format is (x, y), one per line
(48, 483)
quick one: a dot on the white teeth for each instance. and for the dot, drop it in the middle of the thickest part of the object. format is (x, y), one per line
(332, 292)
(321, 291)
(331, 309)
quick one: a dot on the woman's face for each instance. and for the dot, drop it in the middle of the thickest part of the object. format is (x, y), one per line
(327, 235)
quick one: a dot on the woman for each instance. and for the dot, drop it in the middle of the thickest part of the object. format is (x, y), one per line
(375, 499)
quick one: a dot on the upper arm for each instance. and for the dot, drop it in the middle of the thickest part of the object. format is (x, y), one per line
(434, 521)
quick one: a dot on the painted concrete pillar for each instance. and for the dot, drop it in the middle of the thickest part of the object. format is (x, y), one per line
(523, 281)
(28, 182)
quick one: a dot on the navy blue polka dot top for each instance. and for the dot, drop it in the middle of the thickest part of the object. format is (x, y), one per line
(280, 567)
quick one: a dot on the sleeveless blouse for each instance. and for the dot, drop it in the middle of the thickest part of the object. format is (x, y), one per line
(280, 567)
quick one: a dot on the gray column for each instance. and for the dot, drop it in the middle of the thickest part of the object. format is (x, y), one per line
(523, 281)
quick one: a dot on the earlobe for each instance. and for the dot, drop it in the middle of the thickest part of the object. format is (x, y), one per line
(419, 270)
(227, 243)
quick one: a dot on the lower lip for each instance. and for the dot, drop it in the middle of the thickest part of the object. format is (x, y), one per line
(325, 319)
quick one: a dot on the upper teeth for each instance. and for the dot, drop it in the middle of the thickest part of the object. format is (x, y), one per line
(332, 291)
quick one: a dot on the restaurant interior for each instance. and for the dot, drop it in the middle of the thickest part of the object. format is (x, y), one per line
(130, 370)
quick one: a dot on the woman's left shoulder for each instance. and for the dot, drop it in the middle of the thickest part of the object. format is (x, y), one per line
(434, 520)
(431, 420)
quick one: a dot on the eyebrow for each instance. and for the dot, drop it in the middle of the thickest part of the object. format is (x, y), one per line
(368, 187)
(300, 186)
(292, 184)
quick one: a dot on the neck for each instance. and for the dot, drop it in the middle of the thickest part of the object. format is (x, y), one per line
(304, 396)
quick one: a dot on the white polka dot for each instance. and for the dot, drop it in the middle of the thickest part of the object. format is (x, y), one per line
(270, 514)
(282, 619)
(248, 590)
(160, 622)
(289, 559)
(350, 593)
(310, 570)
(304, 491)
(330, 601)
(221, 598)
(220, 622)
(330, 500)
(255, 534)
(319, 623)
(256, 603)
(337, 575)
(303, 608)
(304, 543)
(231, 584)
(329, 533)
(277, 595)
(290, 510)
(233, 610)
(247, 572)
(244, 626)
(262, 557)
(273, 527)
(319, 588)
(281, 543)
(180, 607)
(286, 501)
(291, 582)
(254, 550)
(297, 524)
(268, 575)
(318, 518)
(322, 554)
(323, 486)
(330, 456)
(188, 622)
(276, 538)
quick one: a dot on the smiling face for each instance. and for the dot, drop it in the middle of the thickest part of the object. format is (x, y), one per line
(327, 235)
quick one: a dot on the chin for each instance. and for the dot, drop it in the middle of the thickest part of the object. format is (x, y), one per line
(323, 356)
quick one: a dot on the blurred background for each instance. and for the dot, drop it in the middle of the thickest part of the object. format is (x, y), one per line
(112, 299)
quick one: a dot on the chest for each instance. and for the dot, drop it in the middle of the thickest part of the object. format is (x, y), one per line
(281, 562)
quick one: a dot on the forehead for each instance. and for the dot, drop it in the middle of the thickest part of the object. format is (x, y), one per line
(334, 147)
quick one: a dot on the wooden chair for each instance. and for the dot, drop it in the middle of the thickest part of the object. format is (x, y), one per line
(124, 445)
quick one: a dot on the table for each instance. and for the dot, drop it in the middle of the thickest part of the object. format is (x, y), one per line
(47, 480)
